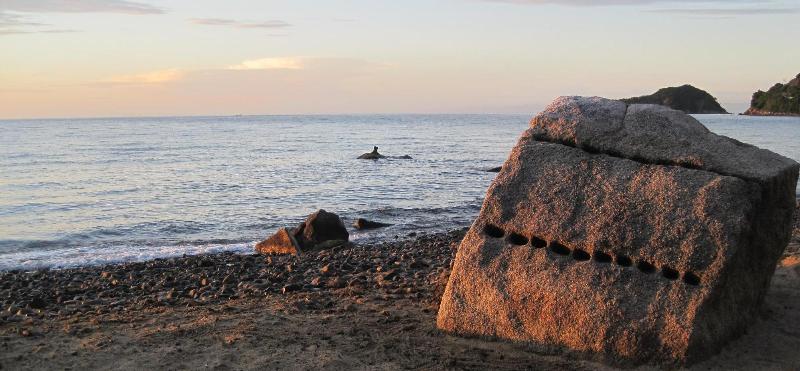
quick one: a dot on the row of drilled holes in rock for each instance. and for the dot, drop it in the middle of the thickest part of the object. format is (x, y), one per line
(644, 266)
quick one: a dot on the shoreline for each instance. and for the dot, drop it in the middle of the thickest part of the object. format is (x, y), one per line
(214, 249)
(368, 306)
(170, 280)
(768, 114)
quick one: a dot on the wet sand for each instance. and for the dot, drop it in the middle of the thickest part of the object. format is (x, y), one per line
(356, 307)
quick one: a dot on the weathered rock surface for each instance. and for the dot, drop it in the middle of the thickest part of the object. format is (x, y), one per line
(630, 233)
(282, 242)
(321, 230)
(652, 134)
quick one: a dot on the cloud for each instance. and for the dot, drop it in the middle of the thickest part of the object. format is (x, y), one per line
(15, 20)
(79, 6)
(15, 24)
(264, 66)
(12, 23)
(153, 77)
(239, 24)
(23, 32)
(726, 12)
(290, 63)
(708, 10)
(616, 2)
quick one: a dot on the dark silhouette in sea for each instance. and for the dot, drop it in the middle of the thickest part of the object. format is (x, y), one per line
(374, 155)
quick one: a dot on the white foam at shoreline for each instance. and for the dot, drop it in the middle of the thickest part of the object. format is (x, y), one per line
(92, 256)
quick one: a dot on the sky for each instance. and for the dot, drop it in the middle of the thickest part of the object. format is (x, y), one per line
(105, 58)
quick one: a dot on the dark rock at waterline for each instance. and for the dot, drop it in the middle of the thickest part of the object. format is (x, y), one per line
(321, 227)
(494, 169)
(371, 156)
(320, 231)
(374, 155)
(362, 223)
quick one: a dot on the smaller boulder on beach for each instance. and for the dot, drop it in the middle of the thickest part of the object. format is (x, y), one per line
(321, 230)
(321, 227)
(282, 242)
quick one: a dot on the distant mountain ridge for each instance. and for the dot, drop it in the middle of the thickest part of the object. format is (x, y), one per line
(779, 100)
(686, 98)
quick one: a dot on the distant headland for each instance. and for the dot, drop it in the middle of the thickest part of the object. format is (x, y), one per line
(779, 100)
(684, 98)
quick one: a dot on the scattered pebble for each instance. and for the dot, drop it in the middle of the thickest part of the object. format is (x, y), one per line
(405, 268)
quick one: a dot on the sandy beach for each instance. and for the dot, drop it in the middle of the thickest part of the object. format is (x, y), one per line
(356, 307)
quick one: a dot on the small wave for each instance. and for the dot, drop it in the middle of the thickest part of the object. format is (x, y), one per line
(117, 245)
(92, 256)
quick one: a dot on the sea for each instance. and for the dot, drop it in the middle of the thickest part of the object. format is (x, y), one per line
(76, 192)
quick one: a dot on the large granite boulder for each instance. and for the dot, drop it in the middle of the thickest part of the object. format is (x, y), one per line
(628, 233)
(321, 230)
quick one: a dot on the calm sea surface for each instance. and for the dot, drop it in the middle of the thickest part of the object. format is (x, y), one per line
(88, 191)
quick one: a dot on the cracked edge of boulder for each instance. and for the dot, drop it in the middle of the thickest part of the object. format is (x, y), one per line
(596, 116)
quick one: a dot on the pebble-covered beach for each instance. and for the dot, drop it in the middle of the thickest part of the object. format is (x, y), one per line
(369, 306)
(375, 304)
(390, 270)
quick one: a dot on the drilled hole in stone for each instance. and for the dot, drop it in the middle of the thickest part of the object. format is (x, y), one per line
(538, 242)
(590, 149)
(624, 261)
(646, 267)
(691, 278)
(602, 257)
(517, 239)
(580, 255)
(493, 231)
(540, 137)
(669, 273)
(565, 142)
(689, 164)
(559, 248)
